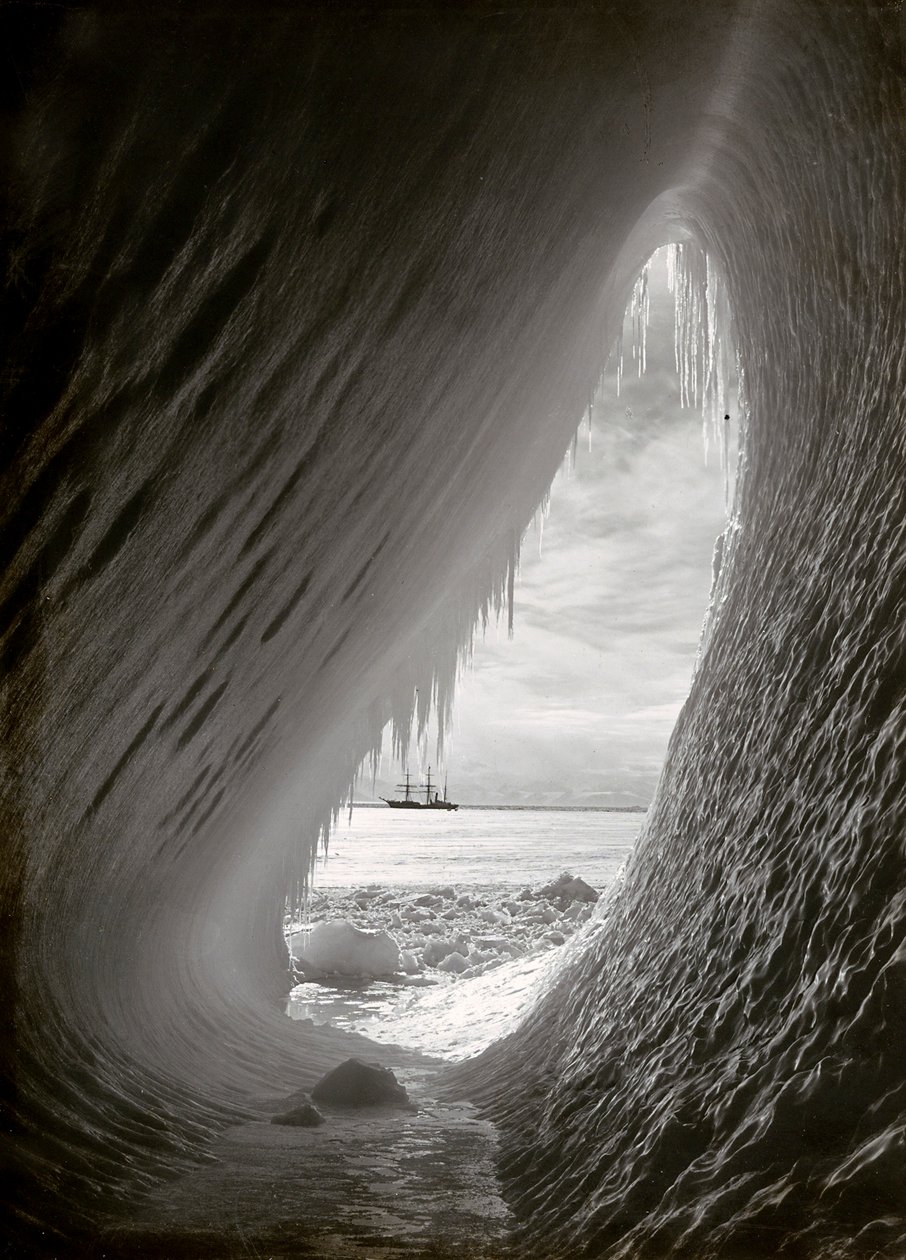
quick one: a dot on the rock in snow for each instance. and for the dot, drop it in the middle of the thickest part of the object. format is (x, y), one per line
(340, 948)
(304, 1117)
(358, 1084)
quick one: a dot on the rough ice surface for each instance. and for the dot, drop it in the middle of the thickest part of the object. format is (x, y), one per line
(303, 315)
(342, 949)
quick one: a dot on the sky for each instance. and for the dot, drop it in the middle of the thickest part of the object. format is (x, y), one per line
(577, 708)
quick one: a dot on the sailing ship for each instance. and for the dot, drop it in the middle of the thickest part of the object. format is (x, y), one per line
(411, 801)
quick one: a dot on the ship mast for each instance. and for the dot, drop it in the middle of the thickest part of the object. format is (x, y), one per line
(407, 788)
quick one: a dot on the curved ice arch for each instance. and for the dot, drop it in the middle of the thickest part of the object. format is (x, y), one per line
(307, 384)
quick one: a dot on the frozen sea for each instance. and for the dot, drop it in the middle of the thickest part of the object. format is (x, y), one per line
(487, 852)
(475, 846)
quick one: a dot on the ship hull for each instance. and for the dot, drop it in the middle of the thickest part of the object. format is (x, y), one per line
(419, 805)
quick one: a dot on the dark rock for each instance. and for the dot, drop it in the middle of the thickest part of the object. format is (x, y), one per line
(304, 1117)
(358, 1084)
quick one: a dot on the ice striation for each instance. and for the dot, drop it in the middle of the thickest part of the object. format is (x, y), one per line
(303, 313)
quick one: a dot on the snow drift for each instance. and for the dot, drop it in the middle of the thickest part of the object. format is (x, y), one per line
(304, 311)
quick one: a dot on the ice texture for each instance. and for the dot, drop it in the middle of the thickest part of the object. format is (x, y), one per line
(302, 315)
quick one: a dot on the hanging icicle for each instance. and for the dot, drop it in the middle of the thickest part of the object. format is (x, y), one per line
(511, 583)
(639, 315)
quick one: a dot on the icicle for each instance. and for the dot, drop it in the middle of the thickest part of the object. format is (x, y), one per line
(639, 314)
(725, 459)
(541, 513)
(511, 583)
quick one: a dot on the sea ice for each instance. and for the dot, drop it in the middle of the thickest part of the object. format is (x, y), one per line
(408, 962)
(436, 951)
(453, 962)
(569, 887)
(340, 948)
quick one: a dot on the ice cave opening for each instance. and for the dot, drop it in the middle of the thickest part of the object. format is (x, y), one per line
(406, 912)
(305, 304)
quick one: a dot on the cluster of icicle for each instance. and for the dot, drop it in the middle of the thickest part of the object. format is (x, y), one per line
(417, 694)
(708, 372)
(703, 342)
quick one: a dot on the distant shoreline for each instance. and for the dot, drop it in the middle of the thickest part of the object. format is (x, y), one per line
(560, 809)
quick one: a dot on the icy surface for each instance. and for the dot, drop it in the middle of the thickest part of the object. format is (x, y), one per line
(303, 316)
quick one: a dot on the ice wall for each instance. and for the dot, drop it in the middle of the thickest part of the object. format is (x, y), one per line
(721, 1073)
(304, 312)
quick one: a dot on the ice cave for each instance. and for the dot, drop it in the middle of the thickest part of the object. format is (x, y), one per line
(304, 303)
